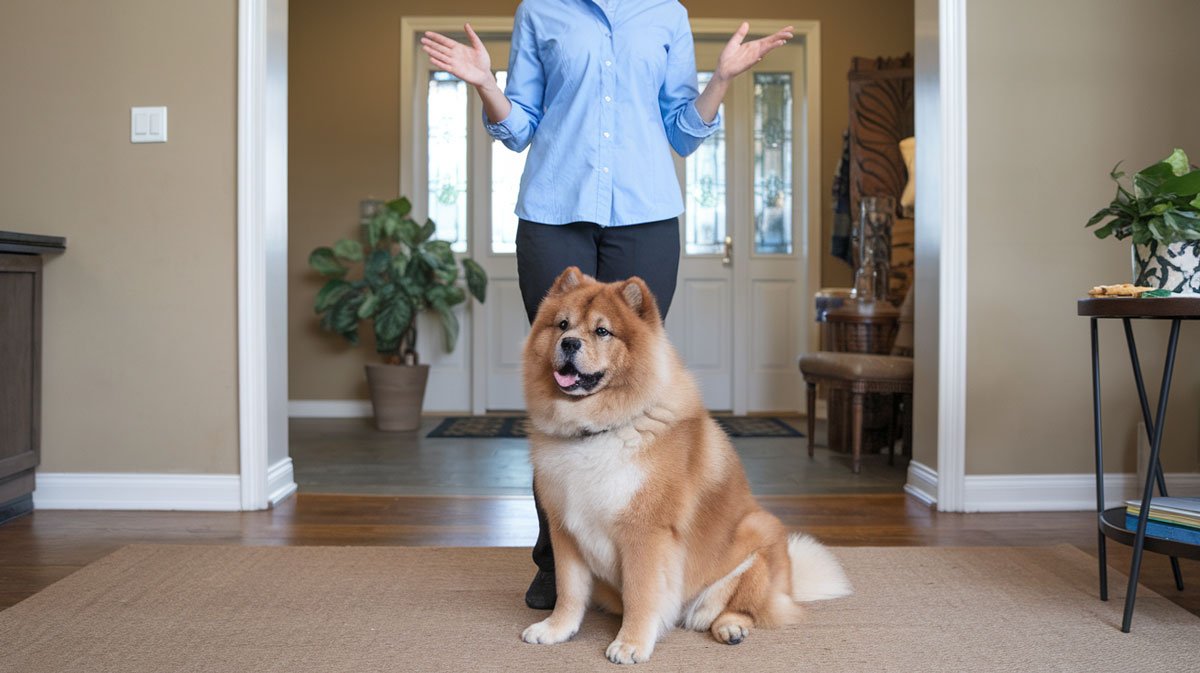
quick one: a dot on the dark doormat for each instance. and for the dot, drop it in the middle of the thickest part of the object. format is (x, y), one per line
(514, 426)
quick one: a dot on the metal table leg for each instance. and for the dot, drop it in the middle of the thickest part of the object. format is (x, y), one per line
(1155, 467)
(1155, 444)
(1101, 541)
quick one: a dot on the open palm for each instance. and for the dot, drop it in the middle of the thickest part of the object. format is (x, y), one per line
(738, 56)
(470, 63)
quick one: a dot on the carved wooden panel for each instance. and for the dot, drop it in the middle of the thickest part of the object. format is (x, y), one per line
(881, 115)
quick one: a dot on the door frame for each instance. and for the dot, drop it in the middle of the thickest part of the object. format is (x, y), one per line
(262, 408)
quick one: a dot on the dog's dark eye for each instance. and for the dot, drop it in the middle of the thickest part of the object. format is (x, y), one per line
(563, 325)
(601, 332)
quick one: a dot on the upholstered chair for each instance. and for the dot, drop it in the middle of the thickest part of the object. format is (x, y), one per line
(860, 374)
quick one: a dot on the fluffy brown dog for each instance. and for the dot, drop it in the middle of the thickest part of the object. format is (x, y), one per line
(650, 512)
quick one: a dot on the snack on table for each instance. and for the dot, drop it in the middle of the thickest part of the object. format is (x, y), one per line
(1121, 290)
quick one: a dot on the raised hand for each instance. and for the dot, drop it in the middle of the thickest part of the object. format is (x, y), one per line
(737, 57)
(470, 63)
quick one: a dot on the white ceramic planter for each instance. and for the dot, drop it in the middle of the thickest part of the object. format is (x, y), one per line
(1174, 267)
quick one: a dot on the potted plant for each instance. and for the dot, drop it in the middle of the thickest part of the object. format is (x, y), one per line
(1161, 212)
(404, 272)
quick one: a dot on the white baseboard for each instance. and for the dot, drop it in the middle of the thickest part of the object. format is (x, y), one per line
(329, 409)
(281, 482)
(1061, 492)
(104, 490)
(922, 483)
(1042, 492)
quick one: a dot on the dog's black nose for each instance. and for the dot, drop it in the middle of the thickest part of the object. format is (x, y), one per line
(570, 345)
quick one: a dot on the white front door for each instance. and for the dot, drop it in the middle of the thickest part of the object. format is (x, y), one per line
(739, 311)
(740, 306)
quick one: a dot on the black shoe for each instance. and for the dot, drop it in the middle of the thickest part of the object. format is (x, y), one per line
(541, 594)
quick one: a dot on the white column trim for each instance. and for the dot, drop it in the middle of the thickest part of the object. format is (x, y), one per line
(252, 254)
(952, 329)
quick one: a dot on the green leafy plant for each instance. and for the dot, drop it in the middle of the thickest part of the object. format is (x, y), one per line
(404, 271)
(1162, 204)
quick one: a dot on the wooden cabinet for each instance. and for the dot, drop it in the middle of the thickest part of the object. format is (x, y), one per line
(20, 366)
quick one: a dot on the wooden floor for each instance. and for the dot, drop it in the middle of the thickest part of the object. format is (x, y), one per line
(349, 456)
(46, 546)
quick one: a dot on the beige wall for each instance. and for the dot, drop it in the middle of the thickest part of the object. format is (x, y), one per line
(1058, 93)
(140, 361)
(344, 121)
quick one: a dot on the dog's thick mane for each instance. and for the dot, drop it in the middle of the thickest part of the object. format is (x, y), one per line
(671, 392)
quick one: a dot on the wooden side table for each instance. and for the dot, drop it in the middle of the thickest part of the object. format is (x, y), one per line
(1111, 522)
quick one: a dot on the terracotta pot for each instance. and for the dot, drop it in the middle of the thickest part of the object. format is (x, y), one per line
(1174, 267)
(397, 394)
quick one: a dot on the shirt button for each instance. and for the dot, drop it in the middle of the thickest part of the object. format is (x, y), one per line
(608, 99)
(605, 169)
(606, 134)
(608, 63)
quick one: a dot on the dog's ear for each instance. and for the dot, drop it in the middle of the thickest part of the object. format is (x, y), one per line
(638, 297)
(568, 280)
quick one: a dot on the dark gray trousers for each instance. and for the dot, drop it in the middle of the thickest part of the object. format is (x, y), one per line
(608, 254)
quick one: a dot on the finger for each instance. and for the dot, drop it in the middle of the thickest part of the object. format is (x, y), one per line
(432, 47)
(740, 33)
(440, 39)
(475, 41)
(442, 65)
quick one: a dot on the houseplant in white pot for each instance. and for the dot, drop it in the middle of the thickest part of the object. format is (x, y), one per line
(404, 272)
(1160, 211)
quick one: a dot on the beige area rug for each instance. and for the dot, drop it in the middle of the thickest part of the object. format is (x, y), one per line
(248, 609)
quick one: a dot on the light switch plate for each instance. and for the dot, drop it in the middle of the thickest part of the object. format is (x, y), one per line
(148, 125)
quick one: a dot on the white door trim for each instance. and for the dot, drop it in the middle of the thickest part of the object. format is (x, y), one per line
(952, 283)
(253, 176)
(251, 253)
(262, 252)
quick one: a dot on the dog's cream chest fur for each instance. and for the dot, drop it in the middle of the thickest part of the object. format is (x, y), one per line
(591, 481)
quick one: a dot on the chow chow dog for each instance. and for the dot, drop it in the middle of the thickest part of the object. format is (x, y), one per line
(650, 512)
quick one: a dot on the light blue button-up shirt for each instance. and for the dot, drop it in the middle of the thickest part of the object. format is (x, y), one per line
(601, 91)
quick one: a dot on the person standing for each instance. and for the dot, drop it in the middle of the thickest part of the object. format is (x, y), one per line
(600, 91)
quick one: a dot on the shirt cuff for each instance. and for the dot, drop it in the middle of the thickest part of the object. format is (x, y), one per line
(692, 124)
(503, 129)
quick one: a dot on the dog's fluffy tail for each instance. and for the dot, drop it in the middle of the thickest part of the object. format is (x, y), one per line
(816, 573)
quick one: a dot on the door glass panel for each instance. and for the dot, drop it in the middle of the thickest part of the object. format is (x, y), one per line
(447, 151)
(507, 167)
(704, 222)
(773, 163)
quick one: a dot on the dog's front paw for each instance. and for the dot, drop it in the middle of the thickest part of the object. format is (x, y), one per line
(621, 652)
(546, 632)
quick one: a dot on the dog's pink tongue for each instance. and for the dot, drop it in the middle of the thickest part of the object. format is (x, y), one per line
(566, 380)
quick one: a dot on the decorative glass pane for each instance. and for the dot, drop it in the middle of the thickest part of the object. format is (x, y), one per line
(773, 163)
(704, 222)
(447, 151)
(507, 167)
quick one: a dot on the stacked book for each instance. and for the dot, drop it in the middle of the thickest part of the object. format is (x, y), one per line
(1175, 519)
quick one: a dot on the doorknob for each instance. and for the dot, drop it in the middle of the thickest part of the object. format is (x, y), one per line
(728, 258)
